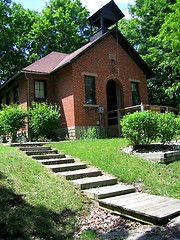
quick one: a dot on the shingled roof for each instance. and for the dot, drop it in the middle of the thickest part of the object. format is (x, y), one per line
(56, 60)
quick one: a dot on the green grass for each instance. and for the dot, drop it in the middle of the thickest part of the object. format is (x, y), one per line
(159, 179)
(34, 203)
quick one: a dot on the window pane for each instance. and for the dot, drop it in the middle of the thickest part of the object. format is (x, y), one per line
(90, 90)
(135, 93)
(40, 89)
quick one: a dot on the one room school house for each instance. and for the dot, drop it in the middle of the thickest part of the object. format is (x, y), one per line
(106, 74)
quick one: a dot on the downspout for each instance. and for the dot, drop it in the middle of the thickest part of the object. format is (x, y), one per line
(28, 104)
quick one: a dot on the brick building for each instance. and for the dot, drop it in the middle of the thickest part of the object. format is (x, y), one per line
(104, 75)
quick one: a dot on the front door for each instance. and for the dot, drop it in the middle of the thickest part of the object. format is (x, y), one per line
(113, 101)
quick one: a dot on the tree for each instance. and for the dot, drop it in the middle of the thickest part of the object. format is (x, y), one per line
(15, 24)
(61, 27)
(153, 31)
(28, 35)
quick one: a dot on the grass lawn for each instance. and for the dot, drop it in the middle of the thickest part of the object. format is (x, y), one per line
(34, 203)
(159, 179)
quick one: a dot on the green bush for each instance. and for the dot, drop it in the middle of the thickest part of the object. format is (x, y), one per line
(89, 133)
(178, 126)
(144, 127)
(43, 118)
(12, 118)
(166, 127)
(139, 127)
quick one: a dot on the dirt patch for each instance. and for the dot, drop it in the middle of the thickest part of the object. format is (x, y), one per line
(109, 226)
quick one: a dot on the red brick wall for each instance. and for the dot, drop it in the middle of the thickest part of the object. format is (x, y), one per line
(63, 95)
(97, 61)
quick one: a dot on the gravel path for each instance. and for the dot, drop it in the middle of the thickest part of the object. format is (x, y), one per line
(109, 226)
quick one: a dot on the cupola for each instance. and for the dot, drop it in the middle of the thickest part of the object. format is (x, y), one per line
(104, 18)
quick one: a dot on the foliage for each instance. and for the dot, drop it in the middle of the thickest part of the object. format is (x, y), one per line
(13, 118)
(89, 133)
(166, 127)
(43, 118)
(154, 32)
(140, 127)
(28, 35)
(15, 25)
(144, 127)
(178, 125)
(34, 203)
(107, 155)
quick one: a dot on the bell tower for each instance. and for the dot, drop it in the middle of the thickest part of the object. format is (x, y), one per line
(104, 18)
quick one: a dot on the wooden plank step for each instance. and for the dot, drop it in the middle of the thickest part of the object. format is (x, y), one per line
(82, 173)
(56, 161)
(143, 207)
(35, 148)
(93, 182)
(109, 191)
(66, 167)
(27, 144)
(48, 156)
(29, 153)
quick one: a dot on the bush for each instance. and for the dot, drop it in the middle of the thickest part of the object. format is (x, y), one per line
(166, 127)
(43, 118)
(139, 127)
(89, 133)
(178, 126)
(144, 127)
(12, 118)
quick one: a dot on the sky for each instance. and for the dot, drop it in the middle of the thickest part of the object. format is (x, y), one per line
(92, 5)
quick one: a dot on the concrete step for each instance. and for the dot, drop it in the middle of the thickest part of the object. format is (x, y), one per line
(48, 156)
(27, 144)
(35, 148)
(29, 153)
(93, 182)
(143, 207)
(66, 167)
(56, 161)
(82, 173)
(109, 191)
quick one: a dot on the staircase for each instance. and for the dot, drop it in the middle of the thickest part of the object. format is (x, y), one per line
(103, 187)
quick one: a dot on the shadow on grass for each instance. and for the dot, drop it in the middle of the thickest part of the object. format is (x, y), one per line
(20, 220)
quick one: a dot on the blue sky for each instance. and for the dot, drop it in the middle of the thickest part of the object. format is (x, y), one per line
(92, 5)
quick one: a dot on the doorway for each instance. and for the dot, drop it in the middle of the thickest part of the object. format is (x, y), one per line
(114, 101)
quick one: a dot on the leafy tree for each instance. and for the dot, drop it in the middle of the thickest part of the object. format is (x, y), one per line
(28, 35)
(153, 31)
(15, 24)
(60, 27)
(43, 118)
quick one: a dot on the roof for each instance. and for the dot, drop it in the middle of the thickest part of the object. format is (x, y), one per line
(47, 63)
(56, 60)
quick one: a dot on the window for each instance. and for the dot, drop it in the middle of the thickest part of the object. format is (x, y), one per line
(16, 94)
(8, 98)
(90, 96)
(135, 93)
(40, 91)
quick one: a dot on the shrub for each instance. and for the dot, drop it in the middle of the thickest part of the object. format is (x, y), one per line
(144, 127)
(43, 118)
(12, 118)
(139, 127)
(178, 125)
(166, 127)
(89, 133)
